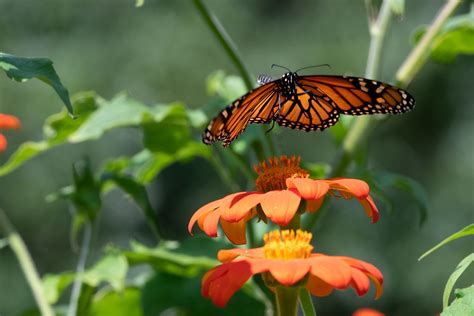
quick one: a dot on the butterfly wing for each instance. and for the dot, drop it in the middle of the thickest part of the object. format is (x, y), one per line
(308, 110)
(257, 106)
(358, 96)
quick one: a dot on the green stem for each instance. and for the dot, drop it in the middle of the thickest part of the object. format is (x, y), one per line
(223, 173)
(226, 42)
(287, 300)
(306, 303)
(418, 56)
(377, 30)
(81, 264)
(231, 49)
(409, 68)
(27, 265)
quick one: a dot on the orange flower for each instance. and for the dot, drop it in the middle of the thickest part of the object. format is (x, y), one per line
(7, 122)
(365, 311)
(281, 185)
(286, 259)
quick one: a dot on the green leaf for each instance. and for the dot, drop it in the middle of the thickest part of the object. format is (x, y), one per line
(22, 69)
(86, 194)
(317, 170)
(139, 194)
(56, 130)
(112, 269)
(462, 266)
(175, 259)
(85, 299)
(139, 3)
(456, 37)
(468, 230)
(463, 304)
(227, 87)
(166, 291)
(55, 284)
(126, 303)
(413, 188)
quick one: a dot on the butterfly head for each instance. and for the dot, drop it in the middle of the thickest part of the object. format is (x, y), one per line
(288, 84)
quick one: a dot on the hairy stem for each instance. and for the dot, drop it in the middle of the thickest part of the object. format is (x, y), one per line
(26, 263)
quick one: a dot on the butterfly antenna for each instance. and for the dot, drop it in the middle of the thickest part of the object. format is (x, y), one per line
(275, 65)
(315, 66)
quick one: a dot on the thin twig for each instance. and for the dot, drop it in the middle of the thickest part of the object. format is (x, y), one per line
(226, 42)
(81, 264)
(419, 55)
(26, 263)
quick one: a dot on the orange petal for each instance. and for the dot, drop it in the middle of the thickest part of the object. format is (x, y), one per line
(3, 143)
(203, 212)
(288, 272)
(223, 281)
(331, 270)
(314, 205)
(308, 189)
(370, 208)
(367, 312)
(364, 266)
(318, 287)
(240, 205)
(280, 206)
(209, 225)
(358, 188)
(230, 254)
(378, 286)
(360, 282)
(235, 232)
(9, 122)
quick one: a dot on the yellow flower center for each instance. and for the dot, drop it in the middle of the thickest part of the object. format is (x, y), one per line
(272, 174)
(287, 244)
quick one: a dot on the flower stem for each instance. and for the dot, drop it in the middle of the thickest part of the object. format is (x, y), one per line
(409, 68)
(225, 40)
(287, 300)
(27, 265)
(306, 303)
(81, 264)
(418, 56)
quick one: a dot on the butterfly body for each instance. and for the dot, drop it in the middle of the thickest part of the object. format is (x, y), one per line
(308, 103)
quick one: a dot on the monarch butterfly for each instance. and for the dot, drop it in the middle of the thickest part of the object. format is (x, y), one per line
(307, 103)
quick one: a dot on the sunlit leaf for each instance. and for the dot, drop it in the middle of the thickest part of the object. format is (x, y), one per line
(184, 294)
(22, 69)
(455, 38)
(413, 188)
(463, 304)
(462, 266)
(125, 303)
(139, 3)
(182, 261)
(227, 87)
(54, 285)
(112, 268)
(317, 170)
(468, 230)
(56, 130)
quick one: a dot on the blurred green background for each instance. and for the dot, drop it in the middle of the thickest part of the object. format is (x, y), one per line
(163, 52)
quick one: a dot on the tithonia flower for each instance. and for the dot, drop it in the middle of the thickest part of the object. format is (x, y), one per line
(7, 122)
(286, 259)
(365, 311)
(282, 185)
